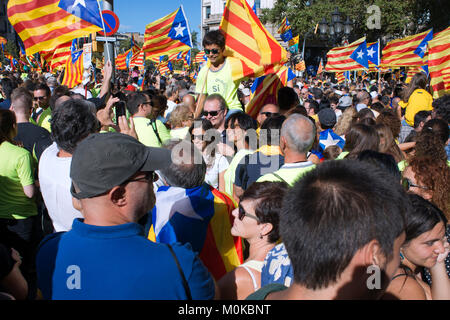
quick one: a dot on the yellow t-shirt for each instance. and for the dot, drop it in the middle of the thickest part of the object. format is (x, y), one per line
(146, 134)
(16, 171)
(220, 82)
(44, 119)
(420, 100)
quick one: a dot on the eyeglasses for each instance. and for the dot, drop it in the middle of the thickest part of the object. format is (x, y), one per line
(243, 214)
(197, 137)
(39, 98)
(270, 114)
(150, 176)
(211, 113)
(406, 183)
(213, 51)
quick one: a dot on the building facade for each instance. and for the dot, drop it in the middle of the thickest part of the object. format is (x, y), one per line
(6, 29)
(212, 11)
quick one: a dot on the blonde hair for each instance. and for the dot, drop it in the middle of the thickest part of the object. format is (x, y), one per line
(180, 114)
(345, 121)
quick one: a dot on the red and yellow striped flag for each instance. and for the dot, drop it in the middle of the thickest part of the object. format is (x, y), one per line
(73, 73)
(400, 52)
(42, 24)
(121, 60)
(439, 63)
(137, 60)
(200, 57)
(60, 56)
(300, 66)
(340, 77)
(320, 69)
(165, 67)
(338, 59)
(256, 51)
(265, 90)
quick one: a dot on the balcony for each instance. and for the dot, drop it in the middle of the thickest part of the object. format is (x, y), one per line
(213, 19)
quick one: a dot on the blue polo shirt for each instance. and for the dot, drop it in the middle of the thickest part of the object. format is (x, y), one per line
(117, 263)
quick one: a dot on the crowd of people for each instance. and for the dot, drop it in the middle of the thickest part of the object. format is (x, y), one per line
(109, 195)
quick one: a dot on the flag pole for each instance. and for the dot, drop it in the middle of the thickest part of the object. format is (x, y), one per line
(379, 65)
(104, 29)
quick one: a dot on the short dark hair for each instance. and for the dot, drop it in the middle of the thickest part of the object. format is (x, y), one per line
(43, 86)
(222, 102)
(381, 160)
(438, 127)
(442, 107)
(245, 121)
(7, 86)
(287, 98)
(313, 104)
(269, 197)
(214, 37)
(134, 101)
(422, 218)
(58, 92)
(320, 213)
(190, 172)
(420, 117)
(273, 126)
(73, 122)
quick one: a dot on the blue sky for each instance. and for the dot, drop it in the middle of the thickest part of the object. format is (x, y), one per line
(134, 15)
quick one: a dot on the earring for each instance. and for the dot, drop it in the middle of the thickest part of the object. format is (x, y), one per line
(401, 256)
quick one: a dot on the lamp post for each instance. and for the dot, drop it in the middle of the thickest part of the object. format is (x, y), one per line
(336, 30)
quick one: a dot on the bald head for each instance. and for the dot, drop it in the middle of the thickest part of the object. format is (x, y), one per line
(299, 133)
(189, 100)
(363, 97)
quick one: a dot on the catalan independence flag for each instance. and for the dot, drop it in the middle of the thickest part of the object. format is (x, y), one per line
(264, 89)
(202, 217)
(73, 73)
(165, 67)
(170, 34)
(200, 57)
(254, 49)
(338, 59)
(439, 63)
(137, 60)
(44, 24)
(340, 77)
(403, 52)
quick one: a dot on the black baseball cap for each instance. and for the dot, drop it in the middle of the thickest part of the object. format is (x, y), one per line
(105, 160)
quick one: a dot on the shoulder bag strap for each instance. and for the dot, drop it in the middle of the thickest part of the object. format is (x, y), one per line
(185, 283)
(155, 129)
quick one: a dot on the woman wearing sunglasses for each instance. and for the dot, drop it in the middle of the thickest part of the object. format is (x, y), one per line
(256, 220)
(425, 246)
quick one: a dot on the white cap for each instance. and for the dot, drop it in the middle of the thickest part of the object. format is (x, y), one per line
(374, 94)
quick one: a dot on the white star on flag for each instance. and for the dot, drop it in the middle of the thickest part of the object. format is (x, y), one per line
(80, 2)
(370, 52)
(360, 54)
(424, 48)
(179, 30)
(329, 141)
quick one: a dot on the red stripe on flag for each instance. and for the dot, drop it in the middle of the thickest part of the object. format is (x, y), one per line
(160, 25)
(24, 8)
(163, 50)
(41, 21)
(238, 46)
(237, 21)
(401, 43)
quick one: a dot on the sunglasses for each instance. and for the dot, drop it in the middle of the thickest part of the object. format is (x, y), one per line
(406, 183)
(270, 114)
(38, 98)
(150, 176)
(243, 214)
(211, 113)
(213, 51)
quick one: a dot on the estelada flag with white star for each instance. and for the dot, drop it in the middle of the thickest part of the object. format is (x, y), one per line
(167, 35)
(338, 59)
(407, 52)
(360, 55)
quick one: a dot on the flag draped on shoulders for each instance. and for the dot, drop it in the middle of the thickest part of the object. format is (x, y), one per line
(406, 52)
(265, 89)
(252, 51)
(170, 34)
(44, 24)
(439, 63)
(202, 217)
(338, 59)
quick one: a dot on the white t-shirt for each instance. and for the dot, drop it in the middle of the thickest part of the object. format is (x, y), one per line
(212, 172)
(170, 107)
(82, 91)
(55, 182)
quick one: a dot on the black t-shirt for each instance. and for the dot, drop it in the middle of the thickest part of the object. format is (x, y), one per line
(33, 137)
(6, 261)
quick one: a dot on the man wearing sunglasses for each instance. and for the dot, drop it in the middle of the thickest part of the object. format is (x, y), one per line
(106, 255)
(215, 76)
(41, 103)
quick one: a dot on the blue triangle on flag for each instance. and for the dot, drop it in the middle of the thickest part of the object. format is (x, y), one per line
(373, 54)
(180, 30)
(360, 55)
(422, 48)
(88, 10)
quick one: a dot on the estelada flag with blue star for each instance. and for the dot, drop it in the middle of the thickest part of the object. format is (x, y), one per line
(202, 217)
(44, 24)
(360, 55)
(170, 34)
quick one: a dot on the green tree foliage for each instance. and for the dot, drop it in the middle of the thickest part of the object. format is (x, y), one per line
(398, 17)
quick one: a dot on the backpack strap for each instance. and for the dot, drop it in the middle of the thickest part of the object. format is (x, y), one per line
(183, 278)
(278, 176)
(155, 130)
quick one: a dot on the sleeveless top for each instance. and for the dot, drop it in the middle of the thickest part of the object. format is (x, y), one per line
(254, 264)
